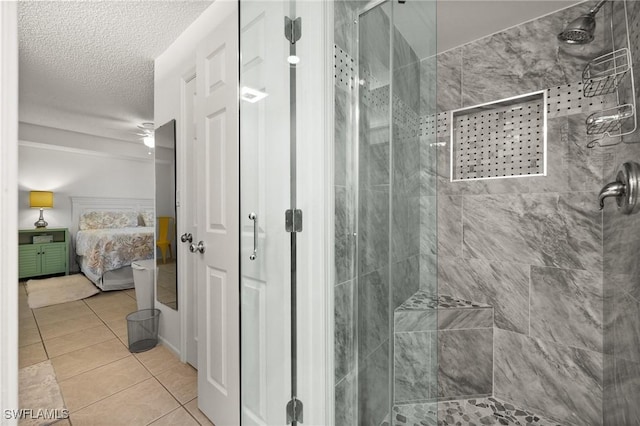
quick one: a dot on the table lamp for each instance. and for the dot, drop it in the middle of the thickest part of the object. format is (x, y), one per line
(41, 200)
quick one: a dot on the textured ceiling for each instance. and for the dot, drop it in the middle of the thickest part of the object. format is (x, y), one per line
(88, 66)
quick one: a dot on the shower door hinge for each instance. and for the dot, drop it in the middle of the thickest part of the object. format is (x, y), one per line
(294, 411)
(292, 29)
(293, 220)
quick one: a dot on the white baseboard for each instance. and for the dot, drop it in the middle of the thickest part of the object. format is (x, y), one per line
(169, 346)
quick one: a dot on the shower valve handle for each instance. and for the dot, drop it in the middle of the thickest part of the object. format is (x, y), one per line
(626, 188)
(613, 189)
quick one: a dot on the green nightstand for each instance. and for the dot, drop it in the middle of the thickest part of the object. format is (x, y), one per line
(42, 257)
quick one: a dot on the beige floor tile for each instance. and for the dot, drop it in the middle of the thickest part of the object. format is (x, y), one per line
(192, 407)
(181, 381)
(61, 312)
(118, 326)
(118, 312)
(125, 340)
(107, 300)
(78, 340)
(60, 328)
(28, 336)
(158, 359)
(24, 311)
(92, 386)
(131, 293)
(27, 322)
(141, 404)
(31, 354)
(86, 359)
(179, 417)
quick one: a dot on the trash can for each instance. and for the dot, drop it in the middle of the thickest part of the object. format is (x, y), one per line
(142, 328)
(143, 280)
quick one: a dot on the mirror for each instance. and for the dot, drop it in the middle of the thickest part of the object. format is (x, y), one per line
(166, 237)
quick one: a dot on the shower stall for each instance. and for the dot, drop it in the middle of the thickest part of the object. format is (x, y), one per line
(476, 278)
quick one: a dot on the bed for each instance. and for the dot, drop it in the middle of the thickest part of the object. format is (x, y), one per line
(108, 235)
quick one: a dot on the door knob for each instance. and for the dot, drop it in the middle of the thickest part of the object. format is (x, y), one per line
(193, 248)
(186, 237)
(625, 188)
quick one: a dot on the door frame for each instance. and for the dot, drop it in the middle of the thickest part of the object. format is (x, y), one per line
(8, 209)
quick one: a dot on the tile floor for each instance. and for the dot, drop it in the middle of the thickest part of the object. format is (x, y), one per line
(100, 381)
(470, 412)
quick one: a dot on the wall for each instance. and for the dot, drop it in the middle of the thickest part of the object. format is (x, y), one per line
(530, 247)
(8, 214)
(49, 161)
(622, 269)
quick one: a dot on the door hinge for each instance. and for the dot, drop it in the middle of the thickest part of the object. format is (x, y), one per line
(292, 29)
(293, 220)
(294, 411)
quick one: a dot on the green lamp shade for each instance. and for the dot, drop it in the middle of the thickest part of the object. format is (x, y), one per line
(41, 199)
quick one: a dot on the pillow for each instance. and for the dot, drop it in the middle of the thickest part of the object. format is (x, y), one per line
(148, 218)
(107, 219)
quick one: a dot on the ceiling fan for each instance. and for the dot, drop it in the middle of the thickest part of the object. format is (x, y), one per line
(147, 134)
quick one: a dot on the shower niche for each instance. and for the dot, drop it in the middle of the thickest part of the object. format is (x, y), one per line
(501, 139)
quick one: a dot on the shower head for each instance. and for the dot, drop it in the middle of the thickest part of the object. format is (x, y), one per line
(582, 29)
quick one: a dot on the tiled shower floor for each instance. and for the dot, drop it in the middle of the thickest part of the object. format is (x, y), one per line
(480, 411)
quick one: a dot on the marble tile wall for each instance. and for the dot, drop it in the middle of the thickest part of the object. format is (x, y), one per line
(531, 247)
(622, 269)
(405, 176)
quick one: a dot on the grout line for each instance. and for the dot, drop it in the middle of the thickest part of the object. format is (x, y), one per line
(191, 414)
(105, 397)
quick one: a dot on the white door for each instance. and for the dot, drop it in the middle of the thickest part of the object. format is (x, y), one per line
(218, 226)
(188, 215)
(265, 168)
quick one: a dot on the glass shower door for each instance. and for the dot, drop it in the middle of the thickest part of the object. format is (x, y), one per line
(265, 121)
(396, 334)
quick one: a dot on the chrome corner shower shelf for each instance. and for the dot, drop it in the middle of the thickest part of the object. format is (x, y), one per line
(609, 120)
(602, 75)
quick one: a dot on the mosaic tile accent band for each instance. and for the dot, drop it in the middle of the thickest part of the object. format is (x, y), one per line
(343, 69)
